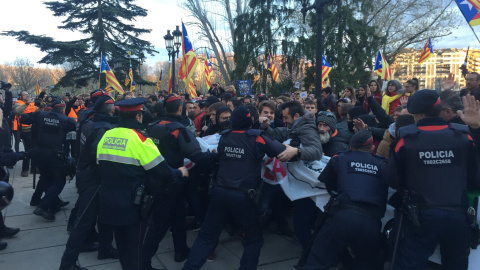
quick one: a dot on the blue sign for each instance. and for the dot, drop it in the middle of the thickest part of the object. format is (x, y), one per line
(244, 87)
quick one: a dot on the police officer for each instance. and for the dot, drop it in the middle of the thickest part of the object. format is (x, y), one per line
(88, 182)
(233, 195)
(51, 128)
(435, 162)
(176, 143)
(129, 163)
(359, 179)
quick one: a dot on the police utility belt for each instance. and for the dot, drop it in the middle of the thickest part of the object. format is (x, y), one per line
(250, 193)
(372, 213)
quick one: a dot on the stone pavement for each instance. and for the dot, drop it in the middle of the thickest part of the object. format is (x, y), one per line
(40, 243)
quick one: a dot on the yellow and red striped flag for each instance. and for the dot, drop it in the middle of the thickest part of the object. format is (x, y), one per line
(382, 68)
(326, 68)
(38, 89)
(132, 81)
(127, 80)
(191, 89)
(189, 58)
(271, 66)
(427, 52)
(170, 81)
(112, 82)
(159, 81)
(208, 69)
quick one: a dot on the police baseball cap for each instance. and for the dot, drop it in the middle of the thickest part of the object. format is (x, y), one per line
(422, 101)
(131, 105)
(361, 138)
(241, 118)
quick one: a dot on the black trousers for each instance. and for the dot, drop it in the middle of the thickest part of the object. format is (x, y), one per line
(51, 167)
(129, 244)
(168, 211)
(86, 218)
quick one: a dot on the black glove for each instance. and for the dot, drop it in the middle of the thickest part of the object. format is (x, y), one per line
(21, 155)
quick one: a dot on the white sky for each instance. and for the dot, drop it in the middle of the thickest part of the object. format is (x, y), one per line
(33, 16)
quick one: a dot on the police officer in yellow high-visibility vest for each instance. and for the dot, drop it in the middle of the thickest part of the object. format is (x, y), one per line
(130, 162)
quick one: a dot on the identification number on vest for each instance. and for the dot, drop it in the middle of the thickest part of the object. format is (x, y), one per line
(362, 167)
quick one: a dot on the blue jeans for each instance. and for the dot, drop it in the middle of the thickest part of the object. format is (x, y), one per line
(224, 204)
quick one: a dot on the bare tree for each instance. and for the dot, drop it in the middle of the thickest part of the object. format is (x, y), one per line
(24, 74)
(214, 17)
(406, 23)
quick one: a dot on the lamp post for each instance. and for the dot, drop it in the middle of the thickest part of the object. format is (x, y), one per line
(319, 6)
(172, 44)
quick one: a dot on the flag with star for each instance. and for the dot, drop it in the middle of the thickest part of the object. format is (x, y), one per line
(189, 58)
(427, 52)
(382, 68)
(159, 81)
(112, 82)
(208, 69)
(271, 66)
(38, 89)
(326, 68)
(470, 10)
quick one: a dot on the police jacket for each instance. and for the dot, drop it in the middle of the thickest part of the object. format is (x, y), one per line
(176, 142)
(50, 128)
(437, 162)
(359, 178)
(91, 133)
(304, 132)
(127, 159)
(240, 153)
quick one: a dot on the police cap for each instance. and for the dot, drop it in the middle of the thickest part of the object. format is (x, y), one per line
(422, 101)
(361, 138)
(101, 101)
(241, 118)
(210, 100)
(131, 105)
(57, 103)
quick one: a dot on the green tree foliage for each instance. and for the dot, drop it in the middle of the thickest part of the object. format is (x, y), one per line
(257, 32)
(105, 26)
(349, 46)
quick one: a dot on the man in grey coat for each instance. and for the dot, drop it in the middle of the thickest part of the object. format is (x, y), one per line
(305, 145)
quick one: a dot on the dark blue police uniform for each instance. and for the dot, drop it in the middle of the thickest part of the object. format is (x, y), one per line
(240, 152)
(51, 128)
(176, 143)
(359, 178)
(88, 182)
(436, 162)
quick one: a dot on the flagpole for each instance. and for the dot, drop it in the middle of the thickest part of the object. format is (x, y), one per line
(474, 33)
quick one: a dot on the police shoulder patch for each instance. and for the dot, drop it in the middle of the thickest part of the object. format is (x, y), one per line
(140, 135)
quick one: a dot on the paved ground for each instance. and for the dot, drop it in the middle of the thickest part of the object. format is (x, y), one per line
(40, 244)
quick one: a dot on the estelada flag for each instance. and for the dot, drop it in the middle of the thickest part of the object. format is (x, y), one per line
(427, 52)
(189, 58)
(382, 68)
(326, 68)
(112, 82)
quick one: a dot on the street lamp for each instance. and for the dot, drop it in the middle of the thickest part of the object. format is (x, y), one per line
(319, 6)
(170, 42)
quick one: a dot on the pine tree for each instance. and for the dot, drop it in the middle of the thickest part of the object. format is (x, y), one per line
(349, 45)
(106, 28)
